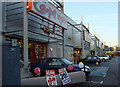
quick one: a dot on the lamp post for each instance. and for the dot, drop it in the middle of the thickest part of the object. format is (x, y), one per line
(25, 21)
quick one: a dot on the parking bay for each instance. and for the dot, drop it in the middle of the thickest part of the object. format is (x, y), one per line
(98, 71)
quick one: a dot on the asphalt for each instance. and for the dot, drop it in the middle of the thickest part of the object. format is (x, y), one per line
(110, 79)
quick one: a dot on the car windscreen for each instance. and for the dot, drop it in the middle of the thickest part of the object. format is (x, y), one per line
(105, 56)
(67, 62)
(94, 57)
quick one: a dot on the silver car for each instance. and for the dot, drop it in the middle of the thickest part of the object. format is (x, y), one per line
(103, 57)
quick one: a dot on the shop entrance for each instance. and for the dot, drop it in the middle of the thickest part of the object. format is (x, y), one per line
(77, 54)
(36, 50)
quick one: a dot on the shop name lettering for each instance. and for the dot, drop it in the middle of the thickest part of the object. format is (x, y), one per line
(44, 10)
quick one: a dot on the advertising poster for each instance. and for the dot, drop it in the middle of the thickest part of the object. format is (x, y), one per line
(51, 78)
(64, 76)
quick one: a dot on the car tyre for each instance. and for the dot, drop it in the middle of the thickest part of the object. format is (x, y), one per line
(103, 60)
(97, 63)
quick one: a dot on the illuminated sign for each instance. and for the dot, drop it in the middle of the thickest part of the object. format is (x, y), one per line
(48, 11)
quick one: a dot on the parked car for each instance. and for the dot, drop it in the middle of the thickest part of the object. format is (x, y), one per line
(109, 55)
(103, 57)
(91, 59)
(55, 64)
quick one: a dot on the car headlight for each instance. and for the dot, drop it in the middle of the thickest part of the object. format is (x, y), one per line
(85, 69)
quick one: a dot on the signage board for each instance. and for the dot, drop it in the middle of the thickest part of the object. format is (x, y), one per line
(51, 78)
(48, 11)
(64, 76)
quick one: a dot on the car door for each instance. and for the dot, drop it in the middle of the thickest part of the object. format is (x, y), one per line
(57, 64)
(87, 59)
(94, 58)
(46, 65)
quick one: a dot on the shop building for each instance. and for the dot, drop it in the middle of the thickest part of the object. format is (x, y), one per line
(101, 48)
(72, 41)
(86, 40)
(95, 46)
(92, 48)
(45, 29)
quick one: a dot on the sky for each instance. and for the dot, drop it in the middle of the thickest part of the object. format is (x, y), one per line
(101, 16)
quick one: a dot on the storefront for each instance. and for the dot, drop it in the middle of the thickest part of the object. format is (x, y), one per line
(45, 29)
(36, 50)
(72, 41)
(77, 54)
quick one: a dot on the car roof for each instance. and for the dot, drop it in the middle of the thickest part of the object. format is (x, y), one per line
(52, 58)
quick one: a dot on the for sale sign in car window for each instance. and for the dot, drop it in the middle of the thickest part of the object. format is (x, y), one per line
(64, 76)
(50, 77)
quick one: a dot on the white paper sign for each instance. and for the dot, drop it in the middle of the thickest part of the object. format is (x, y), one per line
(64, 76)
(14, 42)
(51, 78)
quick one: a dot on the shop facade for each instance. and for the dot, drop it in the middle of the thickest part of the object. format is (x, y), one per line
(45, 29)
(86, 41)
(95, 46)
(72, 41)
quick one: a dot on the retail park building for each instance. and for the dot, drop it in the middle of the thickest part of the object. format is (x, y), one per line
(50, 32)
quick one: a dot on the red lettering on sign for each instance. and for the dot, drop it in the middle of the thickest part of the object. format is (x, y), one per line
(43, 9)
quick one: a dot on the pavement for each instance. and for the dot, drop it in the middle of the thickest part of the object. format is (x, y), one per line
(25, 73)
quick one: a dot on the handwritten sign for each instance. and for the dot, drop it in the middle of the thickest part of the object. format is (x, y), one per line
(64, 76)
(51, 78)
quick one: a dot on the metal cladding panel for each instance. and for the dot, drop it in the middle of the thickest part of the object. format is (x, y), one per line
(87, 36)
(35, 22)
(77, 38)
(15, 11)
(15, 23)
(69, 35)
(37, 37)
(74, 23)
(92, 45)
(14, 16)
(12, 5)
(76, 35)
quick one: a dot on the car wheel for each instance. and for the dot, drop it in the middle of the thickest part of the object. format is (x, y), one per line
(97, 63)
(103, 60)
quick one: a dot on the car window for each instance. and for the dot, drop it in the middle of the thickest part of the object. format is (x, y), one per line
(105, 56)
(46, 61)
(56, 62)
(67, 62)
(94, 57)
(88, 57)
